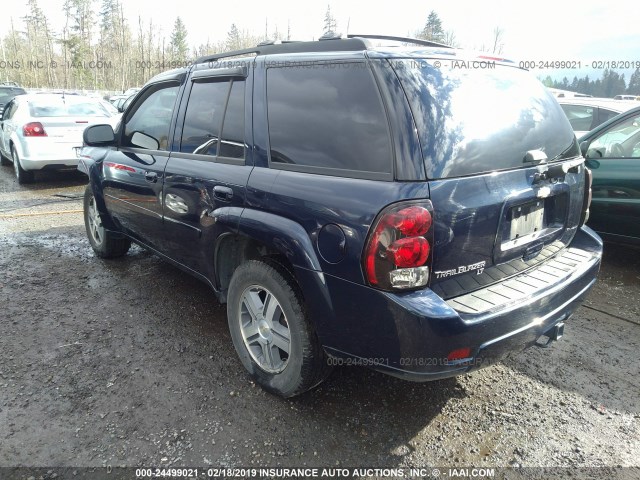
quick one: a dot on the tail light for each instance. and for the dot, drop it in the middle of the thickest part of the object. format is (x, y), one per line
(399, 246)
(33, 129)
(588, 180)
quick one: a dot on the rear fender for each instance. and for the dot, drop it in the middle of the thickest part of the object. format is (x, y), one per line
(281, 234)
(292, 241)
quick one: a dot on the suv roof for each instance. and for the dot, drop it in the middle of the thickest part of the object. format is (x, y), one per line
(335, 44)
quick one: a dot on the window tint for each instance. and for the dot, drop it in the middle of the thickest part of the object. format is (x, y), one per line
(330, 116)
(203, 118)
(232, 144)
(148, 125)
(476, 120)
(606, 115)
(580, 116)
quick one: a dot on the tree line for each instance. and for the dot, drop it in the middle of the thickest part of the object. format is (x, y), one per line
(609, 85)
(99, 48)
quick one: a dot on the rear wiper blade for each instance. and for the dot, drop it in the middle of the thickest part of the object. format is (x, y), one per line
(535, 156)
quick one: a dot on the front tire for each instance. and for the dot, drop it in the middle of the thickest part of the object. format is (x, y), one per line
(22, 176)
(104, 243)
(271, 332)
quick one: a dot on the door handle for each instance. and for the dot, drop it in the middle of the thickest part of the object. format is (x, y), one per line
(151, 177)
(222, 193)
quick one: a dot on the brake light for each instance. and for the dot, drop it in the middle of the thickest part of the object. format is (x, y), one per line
(459, 354)
(588, 195)
(398, 249)
(409, 252)
(33, 129)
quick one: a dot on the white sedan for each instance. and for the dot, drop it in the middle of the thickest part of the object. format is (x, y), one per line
(42, 131)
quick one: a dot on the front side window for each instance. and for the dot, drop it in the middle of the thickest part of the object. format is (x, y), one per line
(327, 117)
(148, 125)
(620, 141)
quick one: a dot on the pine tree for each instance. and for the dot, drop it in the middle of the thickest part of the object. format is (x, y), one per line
(330, 24)
(178, 46)
(634, 83)
(233, 38)
(433, 28)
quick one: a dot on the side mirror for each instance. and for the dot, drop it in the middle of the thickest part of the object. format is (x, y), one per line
(99, 136)
(584, 148)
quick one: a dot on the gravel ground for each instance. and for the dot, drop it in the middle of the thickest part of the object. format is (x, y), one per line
(130, 363)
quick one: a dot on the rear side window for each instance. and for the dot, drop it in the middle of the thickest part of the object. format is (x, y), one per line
(479, 120)
(232, 143)
(215, 106)
(328, 118)
(606, 115)
(203, 119)
(580, 116)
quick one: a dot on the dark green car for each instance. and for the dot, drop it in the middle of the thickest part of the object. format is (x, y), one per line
(612, 151)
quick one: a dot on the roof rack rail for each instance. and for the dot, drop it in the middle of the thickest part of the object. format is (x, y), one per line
(330, 42)
(333, 45)
(415, 41)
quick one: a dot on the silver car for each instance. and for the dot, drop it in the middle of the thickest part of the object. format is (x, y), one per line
(42, 131)
(585, 114)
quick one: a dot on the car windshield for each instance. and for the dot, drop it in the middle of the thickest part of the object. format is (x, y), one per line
(474, 120)
(67, 107)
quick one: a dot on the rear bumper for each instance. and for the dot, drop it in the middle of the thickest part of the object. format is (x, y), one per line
(412, 335)
(41, 153)
(49, 164)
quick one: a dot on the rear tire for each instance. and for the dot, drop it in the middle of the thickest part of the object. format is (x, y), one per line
(4, 161)
(22, 176)
(271, 332)
(104, 243)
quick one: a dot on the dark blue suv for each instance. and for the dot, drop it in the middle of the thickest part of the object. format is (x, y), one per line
(416, 210)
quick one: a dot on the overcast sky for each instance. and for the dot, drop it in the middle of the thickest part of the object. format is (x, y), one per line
(584, 30)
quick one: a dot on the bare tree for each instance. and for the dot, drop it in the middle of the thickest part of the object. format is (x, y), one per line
(498, 42)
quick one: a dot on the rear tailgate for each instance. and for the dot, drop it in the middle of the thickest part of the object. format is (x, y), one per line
(504, 168)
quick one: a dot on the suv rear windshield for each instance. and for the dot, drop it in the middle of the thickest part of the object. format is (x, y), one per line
(474, 120)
